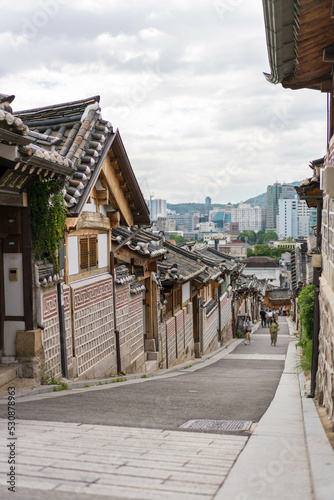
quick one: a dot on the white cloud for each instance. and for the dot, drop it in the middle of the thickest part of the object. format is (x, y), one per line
(183, 84)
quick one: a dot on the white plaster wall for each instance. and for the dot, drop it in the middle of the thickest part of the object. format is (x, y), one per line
(10, 329)
(268, 273)
(89, 207)
(186, 292)
(13, 289)
(103, 250)
(73, 255)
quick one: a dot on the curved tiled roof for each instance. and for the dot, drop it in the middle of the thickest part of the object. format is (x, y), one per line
(260, 262)
(77, 132)
(144, 243)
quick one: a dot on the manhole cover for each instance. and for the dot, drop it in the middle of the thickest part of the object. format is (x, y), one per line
(223, 425)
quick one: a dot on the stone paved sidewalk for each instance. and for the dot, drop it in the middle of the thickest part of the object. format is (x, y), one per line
(118, 462)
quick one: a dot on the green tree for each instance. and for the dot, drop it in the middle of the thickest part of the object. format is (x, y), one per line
(262, 250)
(177, 238)
(250, 235)
(260, 237)
(270, 235)
(250, 252)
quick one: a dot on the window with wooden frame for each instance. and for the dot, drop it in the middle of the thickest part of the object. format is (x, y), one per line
(87, 253)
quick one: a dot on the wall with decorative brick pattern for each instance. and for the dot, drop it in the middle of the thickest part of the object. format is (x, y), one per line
(68, 328)
(50, 334)
(180, 344)
(130, 323)
(226, 318)
(171, 341)
(209, 331)
(93, 323)
(188, 331)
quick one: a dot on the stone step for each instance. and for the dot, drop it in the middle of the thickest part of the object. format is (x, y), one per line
(152, 355)
(151, 366)
(8, 373)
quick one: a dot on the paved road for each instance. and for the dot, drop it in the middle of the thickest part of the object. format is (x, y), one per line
(237, 387)
(124, 440)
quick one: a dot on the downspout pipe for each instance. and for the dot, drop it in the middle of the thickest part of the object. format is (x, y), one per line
(116, 331)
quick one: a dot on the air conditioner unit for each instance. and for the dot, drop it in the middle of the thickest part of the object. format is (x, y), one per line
(327, 180)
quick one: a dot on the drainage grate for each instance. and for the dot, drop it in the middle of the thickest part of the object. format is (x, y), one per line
(222, 425)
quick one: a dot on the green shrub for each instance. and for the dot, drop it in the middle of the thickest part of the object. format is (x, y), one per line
(240, 334)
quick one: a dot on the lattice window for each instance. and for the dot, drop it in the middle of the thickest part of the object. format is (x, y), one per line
(88, 253)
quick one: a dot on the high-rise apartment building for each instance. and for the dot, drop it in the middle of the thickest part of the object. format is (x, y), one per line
(158, 208)
(274, 193)
(249, 218)
(295, 219)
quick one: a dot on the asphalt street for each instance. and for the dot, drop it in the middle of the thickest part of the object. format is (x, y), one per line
(237, 387)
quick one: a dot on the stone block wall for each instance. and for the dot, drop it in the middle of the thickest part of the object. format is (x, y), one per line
(50, 334)
(93, 323)
(162, 340)
(180, 344)
(325, 374)
(136, 330)
(209, 331)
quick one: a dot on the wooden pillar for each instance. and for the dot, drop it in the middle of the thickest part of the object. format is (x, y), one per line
(30, 313)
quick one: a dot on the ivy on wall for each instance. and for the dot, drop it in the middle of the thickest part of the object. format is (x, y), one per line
(48, 219)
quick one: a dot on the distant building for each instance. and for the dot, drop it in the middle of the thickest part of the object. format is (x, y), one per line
(187, 222)
(274, 193)
(263, 267)
(294, 219)
(207, 227)
(208, 200)
(158, 208)
(249, 218)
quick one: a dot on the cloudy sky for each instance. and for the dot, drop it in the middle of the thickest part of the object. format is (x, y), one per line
(182, 80)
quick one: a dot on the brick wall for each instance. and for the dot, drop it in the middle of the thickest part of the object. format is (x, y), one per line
(171, 341)
(92, 321)
(50, 334)
(209, 331)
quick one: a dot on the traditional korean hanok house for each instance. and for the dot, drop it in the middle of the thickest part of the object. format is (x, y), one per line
(25, 159)
(189, 317)
(223, 287)
(277, 297)
(101, 193)
(300, 47)
(140, 256)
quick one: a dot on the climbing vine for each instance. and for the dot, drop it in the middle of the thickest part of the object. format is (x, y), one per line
(48, 219)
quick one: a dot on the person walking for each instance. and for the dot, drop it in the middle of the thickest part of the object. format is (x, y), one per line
(263, 318)
(248, 325)
(273, 328)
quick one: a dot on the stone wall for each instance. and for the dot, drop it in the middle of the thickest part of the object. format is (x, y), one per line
(325, 375)
(226, 318)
